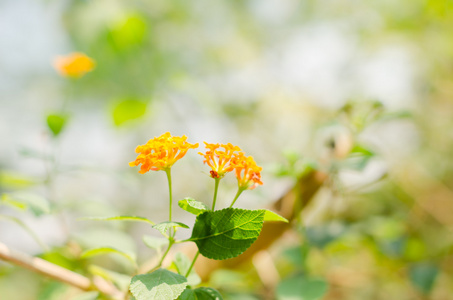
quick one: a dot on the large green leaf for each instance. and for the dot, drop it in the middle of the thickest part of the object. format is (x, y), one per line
(158, 285)
(193, 206)
(164, 226)
(227, 233)
(301, 288)
(121, 218)
(202, 293)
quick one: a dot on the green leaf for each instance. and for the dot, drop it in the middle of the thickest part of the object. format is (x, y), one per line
(7, 200)
(423, 276)
(87, 296)
(127, 110)
(37, 204)
(182, 264)
(164, 226)
(271, 216)
(121, 218)
(56, 123)
(158, 285)
(202, 293)
(108, 250)
(156, 243)
(301, 288)
(193, 206)
(227, 233)
(27, 229)
(121, 281)
(14, 180)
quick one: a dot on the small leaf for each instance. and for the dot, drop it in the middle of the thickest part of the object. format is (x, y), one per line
(202, 293)
(37, 204)
(14, 180)
(7, 200)
(226, 233)
(271, 216)
(182, 264)
(164, 226)
(156, 243)
(121, 218)
(423, 276)
(158, 285)
(127, 110)
(193, 206)
(121, 281)
(300, 288)
(107, 250)
(56, 123)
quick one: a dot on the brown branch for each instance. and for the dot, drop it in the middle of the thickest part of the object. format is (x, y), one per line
(56, 272)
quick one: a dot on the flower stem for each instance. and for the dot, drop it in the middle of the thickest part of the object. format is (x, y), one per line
(193, 263)
(240, 190)
(171, 242)
(216, 187)
(168, 171)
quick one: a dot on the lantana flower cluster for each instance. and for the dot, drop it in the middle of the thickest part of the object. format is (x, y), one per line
(160, 153)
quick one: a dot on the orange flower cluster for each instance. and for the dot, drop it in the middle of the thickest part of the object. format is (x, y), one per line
(248, 173)
(232, 158)
(161, 152)
(221, 161)
(73, 65)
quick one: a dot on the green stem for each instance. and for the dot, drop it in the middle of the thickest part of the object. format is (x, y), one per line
(240, 190)
(168, 171)
(193, 263)
(171, 242)
(216, 187)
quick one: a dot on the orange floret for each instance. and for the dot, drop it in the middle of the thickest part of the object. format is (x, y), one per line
(248, 173)
(74, 64)
(160, 153)
(221, 161)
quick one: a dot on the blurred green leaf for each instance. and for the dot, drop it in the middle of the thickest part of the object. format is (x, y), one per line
(121, 281)
(182, 264)
(423, 276)
(156, 243)
(301, 288)
(202, 293)
(14, 180)
(128, 110)
(193, 206)
(54, 290)
(56, 123)
(7, 200)
(27, 229)
(129, 32)
(121, 218)
(37, 204)
(87, 296)
(226, 233)
(158, 285)
(108, 250)
(321, 236)
(165, 226)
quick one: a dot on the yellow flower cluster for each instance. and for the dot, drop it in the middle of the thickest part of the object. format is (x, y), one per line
(160, 153)
(248, 173)
(73, 65)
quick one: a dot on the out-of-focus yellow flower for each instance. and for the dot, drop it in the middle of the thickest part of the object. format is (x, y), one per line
(160, 153)
(221, 161)
(248, 173)
(74, 64)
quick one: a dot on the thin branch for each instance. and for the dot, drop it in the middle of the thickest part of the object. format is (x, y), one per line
(56, 272)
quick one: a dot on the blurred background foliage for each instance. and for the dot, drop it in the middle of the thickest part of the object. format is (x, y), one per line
(359, 90)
